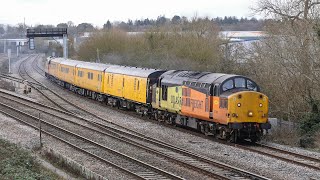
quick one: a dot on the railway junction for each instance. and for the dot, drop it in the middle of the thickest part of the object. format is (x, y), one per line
(109, 143)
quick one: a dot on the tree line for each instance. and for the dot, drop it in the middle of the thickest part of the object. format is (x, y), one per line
(225, 23)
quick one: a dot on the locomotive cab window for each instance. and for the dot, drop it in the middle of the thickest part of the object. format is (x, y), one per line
(228, 85)
(251, 85)
(240, 82)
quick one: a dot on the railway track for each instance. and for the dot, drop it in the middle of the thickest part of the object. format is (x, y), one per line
(177, 153)
(51, 96)
(52, 127)
(214, 170)
(287, 156)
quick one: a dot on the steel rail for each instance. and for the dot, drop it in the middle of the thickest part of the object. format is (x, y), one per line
(144, 174)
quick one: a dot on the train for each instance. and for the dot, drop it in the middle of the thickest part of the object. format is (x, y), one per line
(226, 106)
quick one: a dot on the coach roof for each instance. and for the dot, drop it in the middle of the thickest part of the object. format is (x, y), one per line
(57, 60)
(132, 71)
(71, 62)
(93, 66)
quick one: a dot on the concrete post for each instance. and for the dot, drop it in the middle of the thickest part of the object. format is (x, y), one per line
(65, 46)
(17, 50)
(4, 46)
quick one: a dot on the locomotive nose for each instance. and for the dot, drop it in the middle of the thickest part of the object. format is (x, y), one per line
(248, 106)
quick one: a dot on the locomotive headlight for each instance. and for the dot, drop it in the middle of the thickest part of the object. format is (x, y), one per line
(239, 104)
(260, 105)
(250, 114)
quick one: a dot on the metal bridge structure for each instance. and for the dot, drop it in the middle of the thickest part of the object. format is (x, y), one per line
(49, 32)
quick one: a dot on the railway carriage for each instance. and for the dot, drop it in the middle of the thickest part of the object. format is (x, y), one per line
(89, 78)
(68, 73)
(130, 87)
(53, 66)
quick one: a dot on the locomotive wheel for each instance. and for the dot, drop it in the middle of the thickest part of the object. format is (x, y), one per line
(223, 133)
(156, 116)
(170, 120)
(206, 130)
(234, 137)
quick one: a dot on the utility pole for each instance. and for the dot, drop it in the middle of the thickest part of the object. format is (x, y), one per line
(98, 58)
(9, 56)
(5, 46)
(65, 46)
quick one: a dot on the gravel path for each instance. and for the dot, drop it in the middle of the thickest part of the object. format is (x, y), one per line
(266, 166)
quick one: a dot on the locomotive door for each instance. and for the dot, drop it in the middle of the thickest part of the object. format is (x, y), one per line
(159, 93)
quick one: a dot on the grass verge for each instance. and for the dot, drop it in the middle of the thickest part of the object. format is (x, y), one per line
(16, 163)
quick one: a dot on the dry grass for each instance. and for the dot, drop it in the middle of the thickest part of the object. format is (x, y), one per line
(284, 136)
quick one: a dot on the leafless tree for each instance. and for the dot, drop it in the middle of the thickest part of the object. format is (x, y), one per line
(287, 61)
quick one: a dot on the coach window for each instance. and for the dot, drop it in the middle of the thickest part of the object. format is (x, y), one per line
(99, 77)
(138, 85)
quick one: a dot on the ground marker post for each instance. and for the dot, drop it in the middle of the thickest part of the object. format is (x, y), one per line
(40, 131)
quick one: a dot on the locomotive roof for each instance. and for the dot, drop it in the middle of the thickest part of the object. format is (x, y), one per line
(93, 66)
(179, 76)
(133, 71)
(215, 78)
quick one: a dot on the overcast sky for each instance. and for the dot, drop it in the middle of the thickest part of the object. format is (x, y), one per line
(98, 12)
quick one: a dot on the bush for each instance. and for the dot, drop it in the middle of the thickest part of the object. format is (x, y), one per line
(19, 164)
(310, 124)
